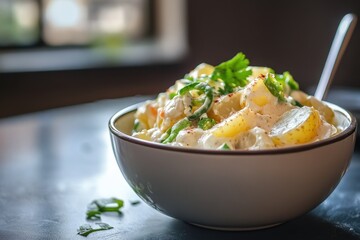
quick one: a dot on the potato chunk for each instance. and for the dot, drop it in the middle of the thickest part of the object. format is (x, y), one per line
(224, 106)
(202, 69)
(324, 109)
(257, 71)
(299, 125)
(237, 123)
(311, 101)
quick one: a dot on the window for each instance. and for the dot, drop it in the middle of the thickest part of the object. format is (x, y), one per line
(19, 23)
(40, 35)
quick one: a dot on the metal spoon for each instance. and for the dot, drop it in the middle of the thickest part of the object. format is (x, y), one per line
(338, 46)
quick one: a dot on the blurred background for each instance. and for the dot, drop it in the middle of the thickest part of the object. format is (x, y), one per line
(56, 53)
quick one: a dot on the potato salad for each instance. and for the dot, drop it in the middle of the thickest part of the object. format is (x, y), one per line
(234, 106)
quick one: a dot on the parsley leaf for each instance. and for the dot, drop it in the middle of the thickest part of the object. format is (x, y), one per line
(233, 72)
(86, 229)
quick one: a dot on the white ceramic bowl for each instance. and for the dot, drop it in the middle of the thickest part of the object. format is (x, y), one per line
(232, 190)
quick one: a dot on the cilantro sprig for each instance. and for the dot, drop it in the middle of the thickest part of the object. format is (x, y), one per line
(233, 73)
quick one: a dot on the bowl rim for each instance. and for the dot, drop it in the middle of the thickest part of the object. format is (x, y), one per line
(291, 149)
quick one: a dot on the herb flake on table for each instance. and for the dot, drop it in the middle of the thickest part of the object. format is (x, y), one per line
(99, 206)
(86, 229)
(96, 208)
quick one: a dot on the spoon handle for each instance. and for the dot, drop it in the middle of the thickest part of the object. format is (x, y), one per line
(338, 46)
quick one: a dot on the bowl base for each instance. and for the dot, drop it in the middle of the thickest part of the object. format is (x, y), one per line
(235, 228)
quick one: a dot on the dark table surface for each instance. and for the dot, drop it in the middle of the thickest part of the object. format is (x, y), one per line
(54, 163)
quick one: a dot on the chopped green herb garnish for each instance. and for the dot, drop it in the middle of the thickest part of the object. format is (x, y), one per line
(93, 215)
(86, 229)
(296, 103)
(197, 101)
(233, 72)
(172, 95)
(206, 123)
(188, 77)
(287, 78)
(136, 126)
(188, 88)
(165, 135)
(275, 87)
(186, 122)
(209, 95)
(180, 125)
(99, 206)
(224, 146)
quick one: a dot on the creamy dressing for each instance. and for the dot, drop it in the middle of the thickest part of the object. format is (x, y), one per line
(326, 130)
(174, 108)
(188, 137)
